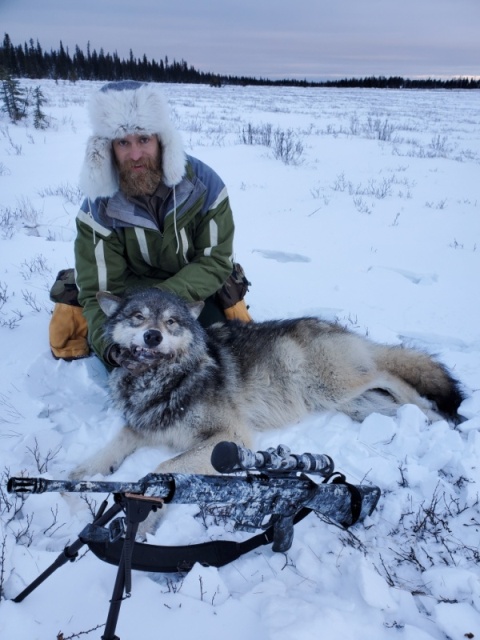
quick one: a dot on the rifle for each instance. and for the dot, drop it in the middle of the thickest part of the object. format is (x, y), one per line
(270, 491)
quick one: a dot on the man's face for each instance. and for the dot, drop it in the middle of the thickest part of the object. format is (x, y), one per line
(138, 161)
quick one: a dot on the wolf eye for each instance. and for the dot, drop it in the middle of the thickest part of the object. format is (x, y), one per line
(139, 316)
(171, 321)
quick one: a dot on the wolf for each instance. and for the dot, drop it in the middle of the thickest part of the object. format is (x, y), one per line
(191, 387)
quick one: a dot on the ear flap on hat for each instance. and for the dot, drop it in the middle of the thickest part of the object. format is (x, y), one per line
(99, 175)
(173, 157)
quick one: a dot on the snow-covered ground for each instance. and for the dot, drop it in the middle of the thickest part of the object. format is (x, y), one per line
(375, 221)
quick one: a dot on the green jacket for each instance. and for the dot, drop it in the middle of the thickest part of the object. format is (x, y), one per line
(186, 248)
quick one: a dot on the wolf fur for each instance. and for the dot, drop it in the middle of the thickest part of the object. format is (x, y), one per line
(200, 387)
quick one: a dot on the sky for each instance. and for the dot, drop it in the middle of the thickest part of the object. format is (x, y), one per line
(311, 39)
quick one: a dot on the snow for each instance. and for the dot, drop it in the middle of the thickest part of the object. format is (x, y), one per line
(376, 224)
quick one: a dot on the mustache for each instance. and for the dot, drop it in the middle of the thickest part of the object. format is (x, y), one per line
(146, 163)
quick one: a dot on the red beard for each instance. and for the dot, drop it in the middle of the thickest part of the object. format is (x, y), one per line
(140, 182)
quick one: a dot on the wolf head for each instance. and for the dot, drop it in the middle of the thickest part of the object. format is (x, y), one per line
(154, 325)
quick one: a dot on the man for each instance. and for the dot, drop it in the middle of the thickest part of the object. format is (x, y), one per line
(152, 217)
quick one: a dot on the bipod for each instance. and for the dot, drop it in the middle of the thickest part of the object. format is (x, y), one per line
(137, 509)
(70, 553)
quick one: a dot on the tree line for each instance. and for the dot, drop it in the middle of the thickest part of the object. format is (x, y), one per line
(30, 60)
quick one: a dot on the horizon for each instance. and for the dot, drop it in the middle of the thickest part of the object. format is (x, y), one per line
(138, 59)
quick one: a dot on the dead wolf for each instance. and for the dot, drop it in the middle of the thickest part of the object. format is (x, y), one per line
(188, 388)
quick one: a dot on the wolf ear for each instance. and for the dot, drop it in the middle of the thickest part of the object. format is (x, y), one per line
(196, 308)
(108, 302)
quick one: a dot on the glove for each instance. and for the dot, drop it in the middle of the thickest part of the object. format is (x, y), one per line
(68, 332)
(118, 356)
(238, 311)
(234, 288)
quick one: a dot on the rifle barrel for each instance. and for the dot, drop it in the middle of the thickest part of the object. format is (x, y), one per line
(41, 485)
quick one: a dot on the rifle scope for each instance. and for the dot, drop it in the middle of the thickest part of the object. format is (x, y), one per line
(228, 457)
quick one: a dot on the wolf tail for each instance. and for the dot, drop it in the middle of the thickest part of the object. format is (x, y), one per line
(427, 376)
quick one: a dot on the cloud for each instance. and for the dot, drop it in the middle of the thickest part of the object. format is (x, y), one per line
(306, 38)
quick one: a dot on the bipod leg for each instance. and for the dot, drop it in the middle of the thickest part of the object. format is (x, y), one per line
(137, 509)
(71, 552)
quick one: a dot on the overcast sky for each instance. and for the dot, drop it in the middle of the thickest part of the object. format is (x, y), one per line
(312, 39)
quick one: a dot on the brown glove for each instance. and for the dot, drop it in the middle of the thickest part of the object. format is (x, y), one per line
(238, 311)
(234, 288)
(68, 332)
(231, 296)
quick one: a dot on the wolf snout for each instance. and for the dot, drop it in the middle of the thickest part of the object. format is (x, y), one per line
(152, 338)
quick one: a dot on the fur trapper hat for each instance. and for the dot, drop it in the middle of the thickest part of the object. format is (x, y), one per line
(120, 109)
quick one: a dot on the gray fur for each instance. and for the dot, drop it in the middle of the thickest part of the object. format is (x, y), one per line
(223, 383)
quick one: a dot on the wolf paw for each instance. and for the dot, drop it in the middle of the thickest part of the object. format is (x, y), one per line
(79, 473)
(90, 468)
(82, 472)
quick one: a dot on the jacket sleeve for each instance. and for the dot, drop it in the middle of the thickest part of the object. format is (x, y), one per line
(100, 266)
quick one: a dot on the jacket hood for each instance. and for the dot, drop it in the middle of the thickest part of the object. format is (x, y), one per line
(120, 109)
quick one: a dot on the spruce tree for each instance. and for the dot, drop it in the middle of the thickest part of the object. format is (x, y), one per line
(39, 118)
(14, 99)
